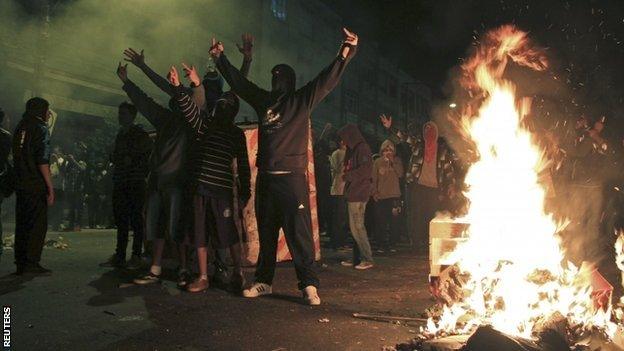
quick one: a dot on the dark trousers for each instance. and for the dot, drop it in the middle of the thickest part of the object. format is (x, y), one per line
(338, 221)
(423, 206)
(282, 201)
(128, 203)
(387, 229)
(31, 225)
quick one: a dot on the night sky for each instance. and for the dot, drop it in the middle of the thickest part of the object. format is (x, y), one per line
(584, 38)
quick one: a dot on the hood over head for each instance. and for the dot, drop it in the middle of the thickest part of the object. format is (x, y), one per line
(284, 79)
(351, 135)
(226, 107)
(430, 132)
(387, 144)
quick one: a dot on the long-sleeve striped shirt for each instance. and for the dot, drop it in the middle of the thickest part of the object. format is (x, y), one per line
(215, 147)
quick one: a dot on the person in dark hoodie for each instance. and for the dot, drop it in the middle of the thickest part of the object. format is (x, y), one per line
(217, 141)
(358, 173)
(282, 188)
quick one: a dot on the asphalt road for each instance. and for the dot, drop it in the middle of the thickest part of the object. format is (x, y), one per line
(82, 306)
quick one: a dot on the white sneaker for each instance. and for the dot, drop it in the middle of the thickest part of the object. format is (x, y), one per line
(346, 263)
(257, 289)
(364, 265)
(310, 295)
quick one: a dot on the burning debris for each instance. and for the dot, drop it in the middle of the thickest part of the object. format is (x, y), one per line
(499, 273)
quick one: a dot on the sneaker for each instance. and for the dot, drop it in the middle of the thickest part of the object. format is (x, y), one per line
(149, 278)
(135, 262)
(258, 289)
(364, 265)
(114, 261)
(198, 285)
(346, 263)
(184, 277)
(310, 296)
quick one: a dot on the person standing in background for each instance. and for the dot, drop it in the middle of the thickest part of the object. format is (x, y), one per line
(130, 160)
(5, 169)
(358, 170)
(387, 174)
(34, 190)
(338, 223)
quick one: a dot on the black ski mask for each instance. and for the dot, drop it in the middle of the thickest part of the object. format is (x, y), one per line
(226, 108)
(284, 79)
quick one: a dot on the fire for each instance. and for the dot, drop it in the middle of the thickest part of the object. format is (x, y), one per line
(512, 261)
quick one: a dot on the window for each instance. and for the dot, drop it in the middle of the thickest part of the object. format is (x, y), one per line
(278, 8)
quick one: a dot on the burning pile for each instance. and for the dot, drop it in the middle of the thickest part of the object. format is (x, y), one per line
(511, 266)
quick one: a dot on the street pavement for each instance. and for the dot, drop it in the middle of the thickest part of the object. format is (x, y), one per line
(82, 306)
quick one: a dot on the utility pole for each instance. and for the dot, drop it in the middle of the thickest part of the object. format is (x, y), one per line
(42, 47)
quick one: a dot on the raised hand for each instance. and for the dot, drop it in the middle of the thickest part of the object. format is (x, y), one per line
(216, 48)
(122, 72)
(386, 121)
(191, 74)
(137, 59)
(173, 77)
(350, 37)
(247, 47)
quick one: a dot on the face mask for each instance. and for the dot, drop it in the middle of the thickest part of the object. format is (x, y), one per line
(284, 79)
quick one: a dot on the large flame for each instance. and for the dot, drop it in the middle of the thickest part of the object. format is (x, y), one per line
(512, 258)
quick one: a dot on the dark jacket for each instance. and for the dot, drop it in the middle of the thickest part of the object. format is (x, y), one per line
(167, 162)
(284, 117)
(358, 165)
(31, 148)
(131, 156)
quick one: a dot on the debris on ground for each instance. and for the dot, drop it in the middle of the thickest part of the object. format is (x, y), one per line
(323, 320)
(59, 243)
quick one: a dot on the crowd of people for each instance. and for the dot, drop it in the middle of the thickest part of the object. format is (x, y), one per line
(181, 183)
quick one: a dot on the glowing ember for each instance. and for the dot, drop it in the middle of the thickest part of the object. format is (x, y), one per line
(512, 261)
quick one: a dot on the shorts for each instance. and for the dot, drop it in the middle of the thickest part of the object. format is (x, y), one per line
(214, 220)
(164, 210)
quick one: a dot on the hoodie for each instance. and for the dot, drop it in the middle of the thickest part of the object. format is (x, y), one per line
(168, 159)
(284, 112)
(387, 174)
(358, 165)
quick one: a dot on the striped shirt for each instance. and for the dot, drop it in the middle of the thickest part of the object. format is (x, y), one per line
(215, 146)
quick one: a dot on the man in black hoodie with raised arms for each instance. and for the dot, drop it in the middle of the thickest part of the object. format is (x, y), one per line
(282, 188)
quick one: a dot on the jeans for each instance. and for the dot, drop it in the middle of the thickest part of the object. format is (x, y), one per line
(362, 250)
(164, 208)
(282, 201)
